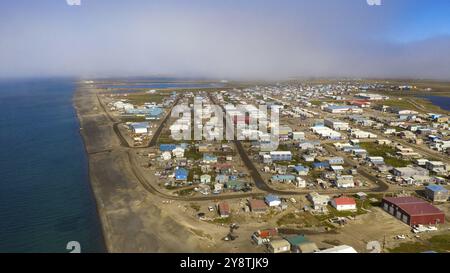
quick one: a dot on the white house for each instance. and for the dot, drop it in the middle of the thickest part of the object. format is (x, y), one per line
(336, 124)
(345, 181)
(343, 203)
(178, 152)
(300, 182)
(166, 156)
(272, 200)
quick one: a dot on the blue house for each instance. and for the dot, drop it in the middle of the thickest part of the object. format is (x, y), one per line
(436, 193)
(301, 170)
(320, 165)
(167, 147)
(209, 158)
(181, 174)
(272, 200)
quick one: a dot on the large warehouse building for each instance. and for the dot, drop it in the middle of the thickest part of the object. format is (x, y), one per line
(413, 211)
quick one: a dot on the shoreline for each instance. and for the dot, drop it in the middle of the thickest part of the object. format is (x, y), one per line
(132, 219)
(99, 213)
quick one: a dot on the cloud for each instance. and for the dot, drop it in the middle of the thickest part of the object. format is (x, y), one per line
(223, 40)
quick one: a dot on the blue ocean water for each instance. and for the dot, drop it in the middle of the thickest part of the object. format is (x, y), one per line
(45, 195)
(443, 102)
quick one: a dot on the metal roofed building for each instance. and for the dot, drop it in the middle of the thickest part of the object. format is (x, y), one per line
(436, 193)
(413, 211)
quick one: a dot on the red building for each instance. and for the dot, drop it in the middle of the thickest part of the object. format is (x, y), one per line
(224, 209)
(413, 211)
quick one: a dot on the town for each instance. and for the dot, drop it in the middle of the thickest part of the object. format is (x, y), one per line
(354, 162)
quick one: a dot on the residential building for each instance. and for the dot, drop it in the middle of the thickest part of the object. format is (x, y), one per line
(436, 193)
(343, 203)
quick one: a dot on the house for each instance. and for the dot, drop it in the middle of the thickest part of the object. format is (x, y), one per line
(178, 152)
(343, 203)
(376, 160)
(286, 178)
(436, 166)
(167, 147)
(257, 205)
(298, 136)
(301, 170)
(218, 188)
(336, 124)
(436, 193)
(409, 171)
(300, 182)
(361, 195)
(279, 246)
(335, 160)
(204, 189)
(301, 244)
(181, 174)
(337, 169)
(345, 181)
(272, 200)
(140, 127)
(281, 155)
(205, 179)
(234, 185)
(263, 236)
(326, 132)
(209, 159)
(204, 148)
(318, 201)
(359, 134)
(224, 209)
(266, 159)
(413, 211)
(222, 178)
(309, 157)
(166, 156)
(320, 165)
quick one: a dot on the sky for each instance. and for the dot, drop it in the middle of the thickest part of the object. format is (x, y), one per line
(225, 39)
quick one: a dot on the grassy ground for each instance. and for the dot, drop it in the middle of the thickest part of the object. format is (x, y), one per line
(141, 98)
(418, 104)
(438, 243)
(387, 152)
(303, 219)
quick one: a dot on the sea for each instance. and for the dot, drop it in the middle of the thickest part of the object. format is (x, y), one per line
(443, 102)
(46, 200)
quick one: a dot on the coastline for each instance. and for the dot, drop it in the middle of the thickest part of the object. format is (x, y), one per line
(100, 214)
(132, 219)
